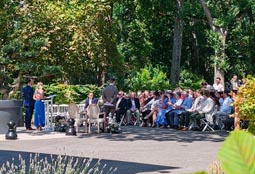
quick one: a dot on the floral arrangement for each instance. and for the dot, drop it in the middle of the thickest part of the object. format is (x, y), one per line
(113, 127)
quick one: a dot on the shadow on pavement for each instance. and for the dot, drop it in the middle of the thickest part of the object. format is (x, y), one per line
(122, 166)
(133, 133)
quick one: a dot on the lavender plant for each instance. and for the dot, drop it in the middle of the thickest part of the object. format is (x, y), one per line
(60, 164)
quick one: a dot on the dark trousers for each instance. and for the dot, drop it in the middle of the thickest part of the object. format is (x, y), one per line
(108, 110)
(197, 117)
(119, 113)
(185, 118)
(144, 113)
(28, 117)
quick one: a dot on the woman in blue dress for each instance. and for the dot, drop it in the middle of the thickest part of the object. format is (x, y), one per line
(161, 118)
(39, 116)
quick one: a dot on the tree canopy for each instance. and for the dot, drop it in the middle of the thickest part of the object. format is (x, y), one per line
(85, 41)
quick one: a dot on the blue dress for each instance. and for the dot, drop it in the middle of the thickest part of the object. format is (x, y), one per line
(161, 116)
(39, 117)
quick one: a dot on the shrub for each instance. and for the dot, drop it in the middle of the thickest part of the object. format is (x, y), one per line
(190, 80)
(148, 78)
(245, 100)
(71, 93)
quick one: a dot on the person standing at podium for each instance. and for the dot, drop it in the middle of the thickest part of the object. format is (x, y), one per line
(39, 117)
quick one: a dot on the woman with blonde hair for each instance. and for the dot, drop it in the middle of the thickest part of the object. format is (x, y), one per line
(39, 116)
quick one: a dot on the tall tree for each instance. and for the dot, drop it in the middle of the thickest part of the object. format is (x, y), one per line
(177, 45)
(220, 54)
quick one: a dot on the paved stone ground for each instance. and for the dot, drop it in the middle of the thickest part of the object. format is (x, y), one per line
(135, 151)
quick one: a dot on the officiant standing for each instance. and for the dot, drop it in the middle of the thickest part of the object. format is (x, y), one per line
(109, 96)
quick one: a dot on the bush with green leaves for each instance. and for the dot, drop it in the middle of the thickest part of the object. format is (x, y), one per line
(54, 165)
(66, 94)
(148, 78)
(190, 80)
(245, 100)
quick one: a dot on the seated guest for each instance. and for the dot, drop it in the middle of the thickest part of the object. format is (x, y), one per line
(196, 107)
(160, 119)
(217, 85)
(143, 98)
(90, 100)
(148, 112)
(207, 109)
(133, 106)
(225, 109)
(219, 97)
(121, 106)
(204, 85)
(184, 103)
(235, 84)
(171, 101)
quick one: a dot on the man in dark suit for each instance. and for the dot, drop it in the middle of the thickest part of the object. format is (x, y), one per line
(121, 106)
(133, 106)
(27, 94)
(109, 96)
(90, 100)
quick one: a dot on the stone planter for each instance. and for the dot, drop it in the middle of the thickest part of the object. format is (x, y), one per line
(10, 110)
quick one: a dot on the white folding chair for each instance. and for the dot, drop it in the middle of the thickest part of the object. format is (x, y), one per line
(206, 125)
(122, 120)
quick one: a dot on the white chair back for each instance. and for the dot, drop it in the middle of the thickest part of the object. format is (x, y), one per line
(93, 111)
(73, 110)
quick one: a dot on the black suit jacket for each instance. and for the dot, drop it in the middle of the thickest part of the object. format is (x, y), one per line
(27, 94)
(137, 103)
(123, 104)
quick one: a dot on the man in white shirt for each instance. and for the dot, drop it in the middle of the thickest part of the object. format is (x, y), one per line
(196, 107)
(217, 85)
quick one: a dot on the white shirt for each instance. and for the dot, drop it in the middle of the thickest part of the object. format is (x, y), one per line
(133, 104)
(218, 87)
(118, 102)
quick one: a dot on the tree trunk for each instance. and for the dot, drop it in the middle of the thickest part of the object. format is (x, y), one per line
(223, 34)
(177, 46)
(194, 62)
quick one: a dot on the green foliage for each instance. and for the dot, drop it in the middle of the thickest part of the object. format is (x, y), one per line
(81, 42)
(148, 78)
(71, 93)
(58, 39)
(190, 80)
(246, 93)
(55, 164)
(237, 154)
(246, 101)
(220, 59)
